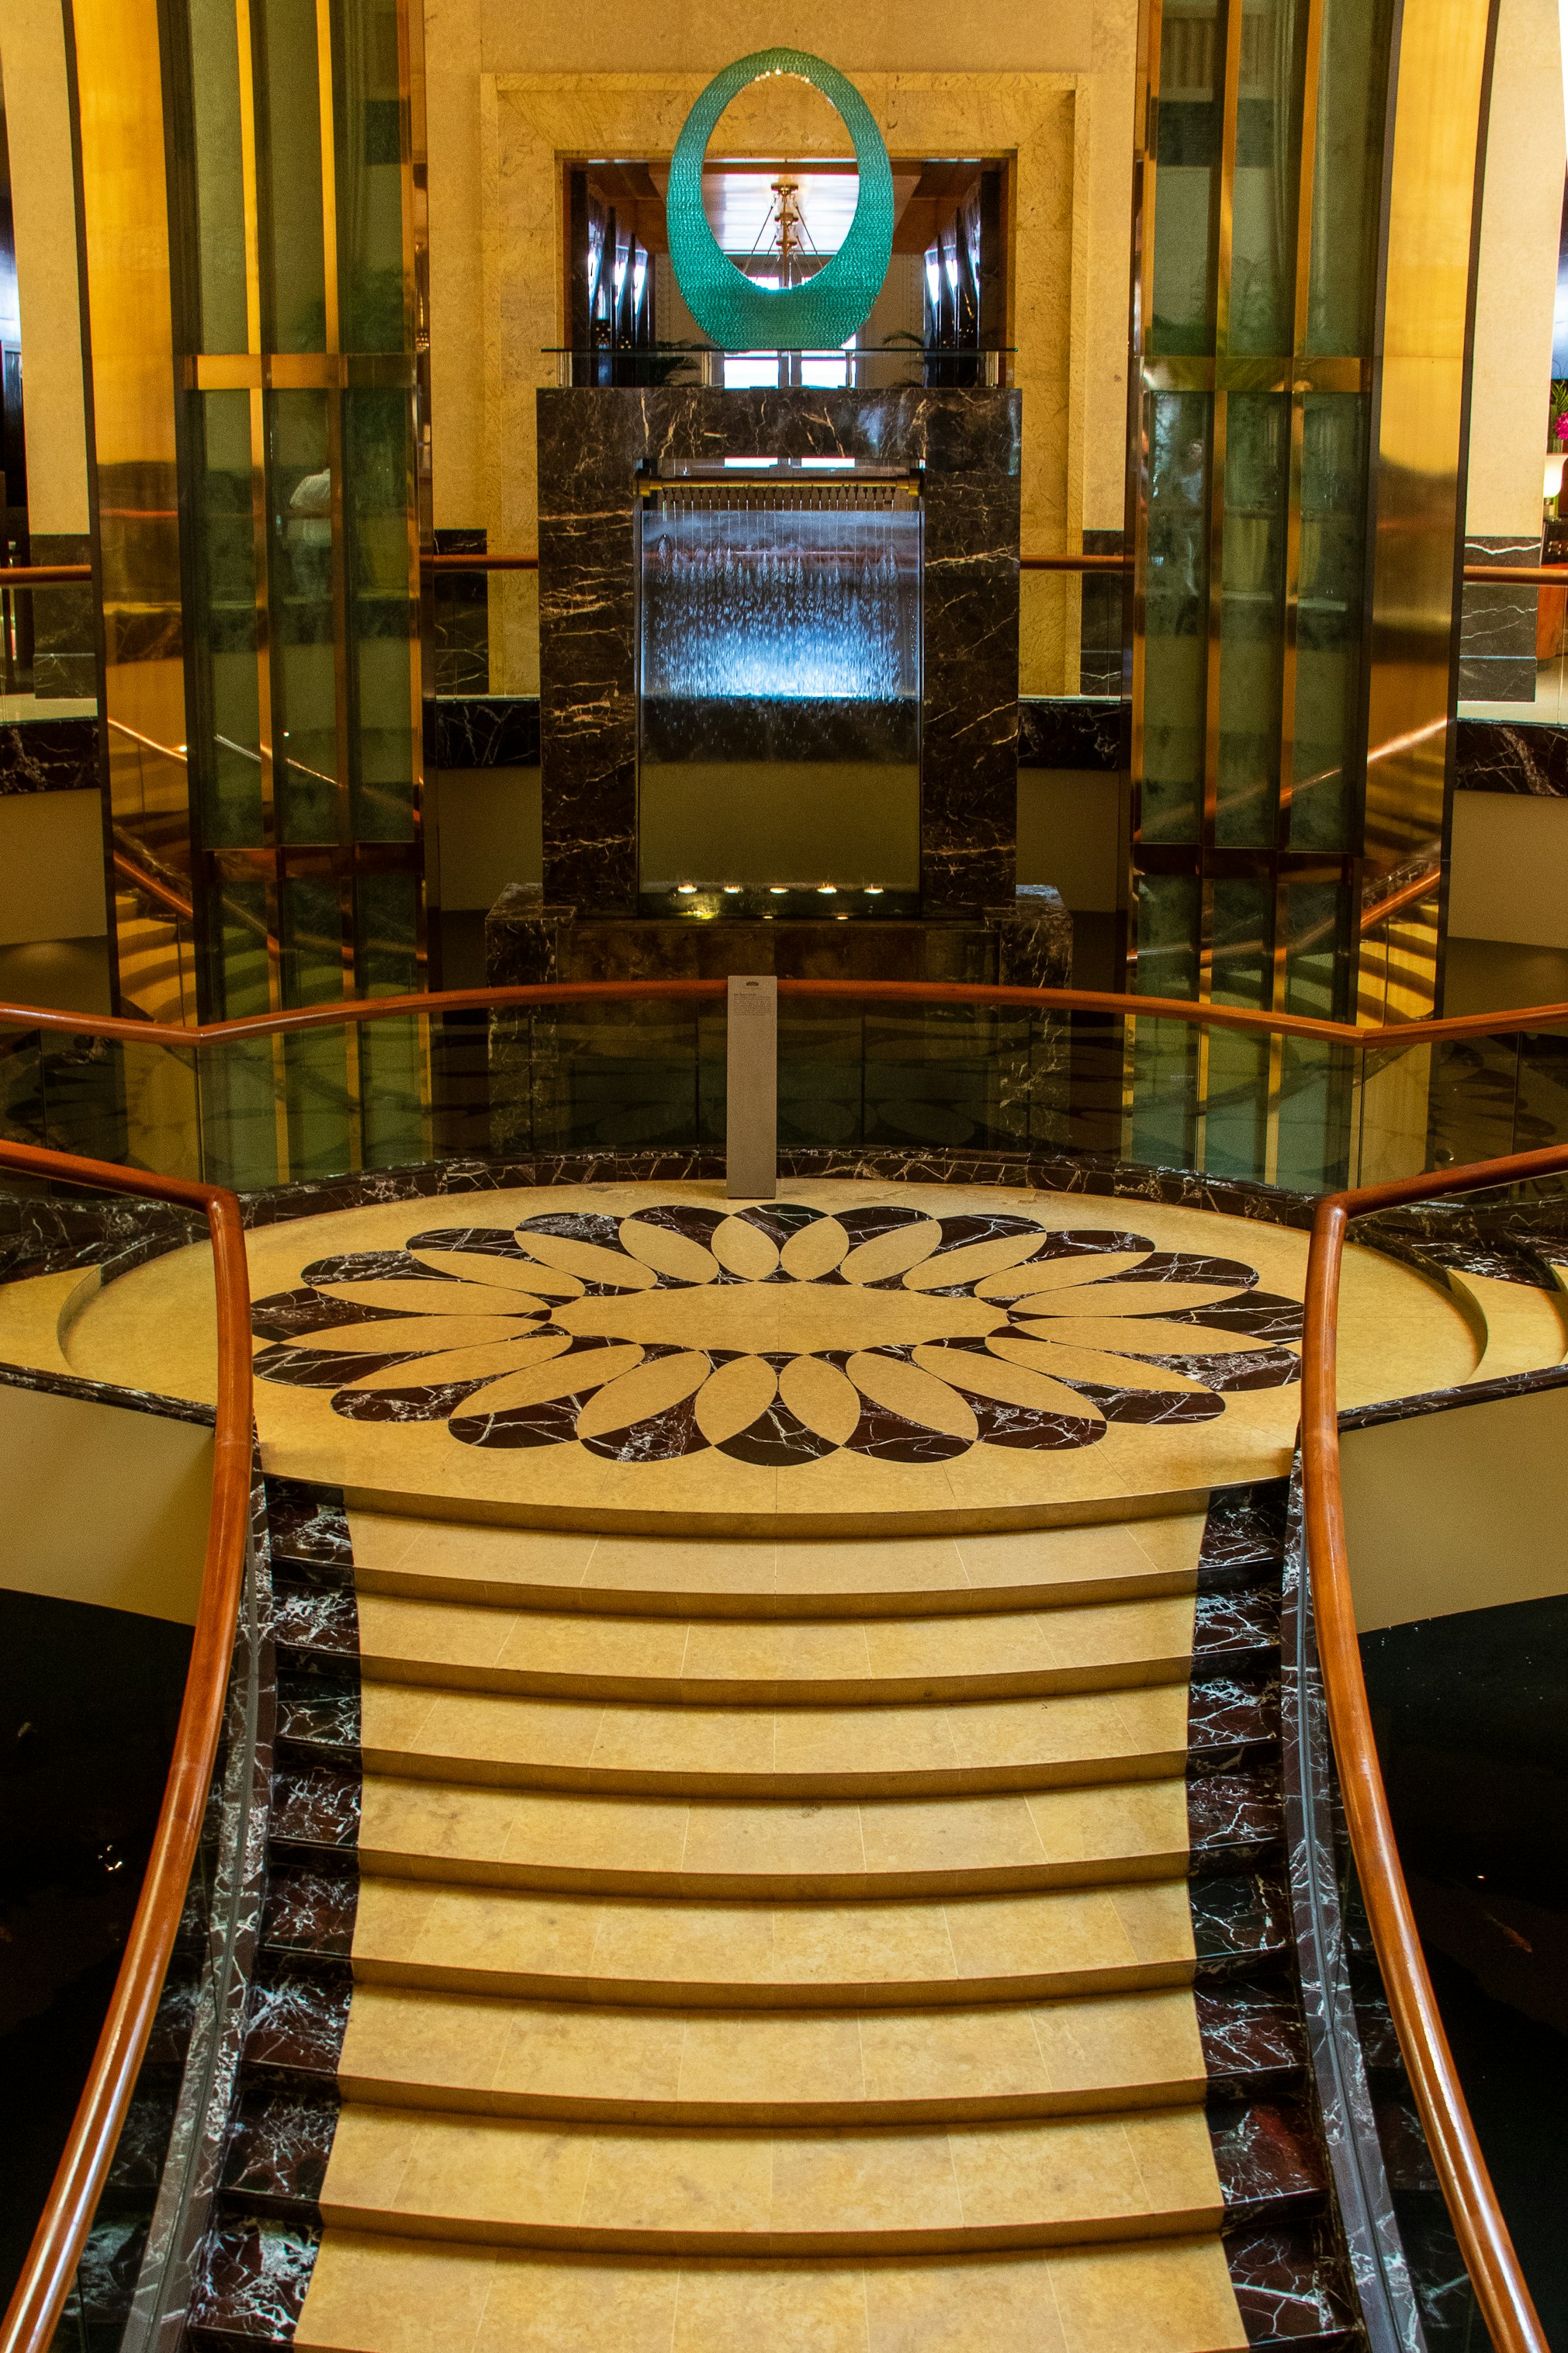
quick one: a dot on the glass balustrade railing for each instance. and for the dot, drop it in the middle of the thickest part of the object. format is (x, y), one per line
(857, 1073)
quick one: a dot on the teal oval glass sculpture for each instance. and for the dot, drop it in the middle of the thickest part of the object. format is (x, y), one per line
(729, 306)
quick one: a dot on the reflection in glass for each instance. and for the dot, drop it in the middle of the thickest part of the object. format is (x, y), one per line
(1252, 614)
(1329, 653)
(383, 620)
(230, 778)
(1347, 179)
(1191, 121)
(1267, 173)
(299, 478)
(294, 277)
(1178, 426)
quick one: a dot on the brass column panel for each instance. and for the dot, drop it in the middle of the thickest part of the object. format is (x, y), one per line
(1442, 73)
(132, 400)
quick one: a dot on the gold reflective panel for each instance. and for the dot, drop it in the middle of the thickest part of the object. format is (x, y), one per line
(1304, 195)
(1429, 239)
(135, 486)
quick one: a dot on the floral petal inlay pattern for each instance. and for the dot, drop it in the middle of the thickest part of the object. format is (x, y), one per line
(777, 1334)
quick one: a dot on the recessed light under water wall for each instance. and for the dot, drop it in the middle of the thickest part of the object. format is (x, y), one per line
(779, 579)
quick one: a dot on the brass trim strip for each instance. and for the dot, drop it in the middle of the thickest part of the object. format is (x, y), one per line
(1258, 372)
(300, 371)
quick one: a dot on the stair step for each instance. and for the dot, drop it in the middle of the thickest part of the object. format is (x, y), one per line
(683, 1576)
(569, 1654)
(755, 2068)
(1524, 1327)
(381, 2295)
(500, 1740)
(631, 1846)
(585, 1947)
(517, 2181)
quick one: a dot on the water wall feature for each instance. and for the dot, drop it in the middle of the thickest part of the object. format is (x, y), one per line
(780, 682)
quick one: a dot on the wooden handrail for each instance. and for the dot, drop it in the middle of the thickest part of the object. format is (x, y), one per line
(479, 564)
(1507, 2306)
(1123, 1005)
(40, 2298)
(42, 575)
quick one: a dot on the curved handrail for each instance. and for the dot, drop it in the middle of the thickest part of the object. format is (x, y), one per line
(1361, 1038)
(36, 2306)
(1507, 2306)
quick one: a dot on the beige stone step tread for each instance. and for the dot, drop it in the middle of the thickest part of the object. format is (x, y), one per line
(815, 1577)
(564, 1653)
(1524, 1327)
(754, 2068)
(385, 2295)
(754, 1847)
(517, 2181)
(589, 1947)
(497, 1739)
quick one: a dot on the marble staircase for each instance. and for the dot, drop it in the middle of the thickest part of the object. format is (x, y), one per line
(863, 1943)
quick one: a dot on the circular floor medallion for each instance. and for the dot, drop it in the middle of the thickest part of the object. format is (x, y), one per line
(779, 1333)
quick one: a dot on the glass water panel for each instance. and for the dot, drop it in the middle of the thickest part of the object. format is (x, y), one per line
(311, 936)
(1165, 1055)
(227, 625)
(242, 1141)
(394, 1090)
(80, 1101)
(387, 905)
(243, 983)
(1179, 426)
(779, 715)
(460, 1085)
(382, 616)
(1329, 653)
(1267, 177)
(22, 1107)
(1256, 496)
(1540, 1115)
(1317, 1092)
(1236, 1094)
(1347, 176)
(625, 1078)
(369, 136)
(1475, 1097)
(294, 284)
(320, 1085)
(161, 1109)
(215, 159)
(1162, 1125)
(1317, 920)
(930, 1076)
(1190, 128)
(304, 664)
(822, 1074)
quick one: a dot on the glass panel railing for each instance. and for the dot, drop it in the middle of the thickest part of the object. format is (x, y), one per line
(642, 1074)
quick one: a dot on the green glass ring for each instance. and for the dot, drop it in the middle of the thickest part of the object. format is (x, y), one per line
(726, 304)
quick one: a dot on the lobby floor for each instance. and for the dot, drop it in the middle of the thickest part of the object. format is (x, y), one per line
(853, 1355)
(795, 1689)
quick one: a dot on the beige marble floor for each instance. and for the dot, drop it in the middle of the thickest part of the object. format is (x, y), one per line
(1030, 1333)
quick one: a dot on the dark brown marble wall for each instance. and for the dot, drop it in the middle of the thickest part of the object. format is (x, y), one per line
(591, 444)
